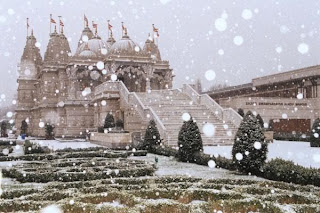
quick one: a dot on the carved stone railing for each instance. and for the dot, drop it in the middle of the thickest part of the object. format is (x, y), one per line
(222, 114)
(131, 98)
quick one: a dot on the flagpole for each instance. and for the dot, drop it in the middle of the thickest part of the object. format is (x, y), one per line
(122, 28)
(153, 33)
(27, 27)
(108, 28)
(50, 22)
(59, 24)
(84, 21)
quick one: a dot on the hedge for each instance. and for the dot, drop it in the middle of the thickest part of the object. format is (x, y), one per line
(287, 171)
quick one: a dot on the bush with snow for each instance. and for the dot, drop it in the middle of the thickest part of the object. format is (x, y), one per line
(109, 121)
(151, 137)
(315, 134)
(189, 141)
(245, 155)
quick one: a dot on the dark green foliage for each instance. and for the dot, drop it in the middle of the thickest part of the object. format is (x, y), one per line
(100, 129)
(33, 148)
(189, 141)
(24, 127)
(270, 128)
(241, 112)
(165, 151)
(315, 134)
(287, 171)
(49, 131)
(120, 124)
(260, 120)
(109, 121)
(248, 133)
(151, 137)
(4, 127)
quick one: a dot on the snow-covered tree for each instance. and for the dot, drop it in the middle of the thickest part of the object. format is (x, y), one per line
(151, 137)
(24, 127)
(249, 150)
(189, 141)
(260, 120)
(315, 134)
(241, 112)
(109, 121)
(49, 131)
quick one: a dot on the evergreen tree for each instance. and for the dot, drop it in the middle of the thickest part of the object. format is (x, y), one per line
(49, 131)
(109, 121)
(189, 141)
(24, 127)
(315, 134)
(4, 127)
(241, 112)
(270, 126)
(260, 120)
(249, 150)
(151, 137)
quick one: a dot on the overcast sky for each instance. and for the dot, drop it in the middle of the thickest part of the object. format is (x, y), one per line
(237, 40)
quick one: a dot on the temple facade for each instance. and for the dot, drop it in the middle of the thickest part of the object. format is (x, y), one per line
(59, 88)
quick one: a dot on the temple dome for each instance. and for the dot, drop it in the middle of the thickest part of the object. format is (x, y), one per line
(126, 47)
(152, 50)
(95, 45)
(86, 32)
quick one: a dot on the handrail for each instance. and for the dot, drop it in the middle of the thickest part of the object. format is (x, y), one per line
(133, 99)
(223, 114)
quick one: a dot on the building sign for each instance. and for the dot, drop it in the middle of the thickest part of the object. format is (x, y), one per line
(274, 104)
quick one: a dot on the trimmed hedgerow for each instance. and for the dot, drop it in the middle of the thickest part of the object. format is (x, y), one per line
(287, 171)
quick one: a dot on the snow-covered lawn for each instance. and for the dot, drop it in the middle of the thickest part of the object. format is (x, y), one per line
(170, 166)
(299, 152)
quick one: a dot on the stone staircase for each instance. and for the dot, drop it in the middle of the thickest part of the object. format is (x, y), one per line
(170, 105)
(166, 108)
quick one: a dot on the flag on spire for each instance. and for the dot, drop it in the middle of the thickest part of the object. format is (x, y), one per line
(94, 25)
(61, 24)
(109, 26)
(52, 21)
(155, 30)
(28, 23)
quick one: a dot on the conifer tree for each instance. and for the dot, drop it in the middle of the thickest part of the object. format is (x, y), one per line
(189, 141)
(260, 120)
(24, 127)
(109, 121)
(315, 134)
(241, 112)
(49, 131)
(152, 136)
(249, 150)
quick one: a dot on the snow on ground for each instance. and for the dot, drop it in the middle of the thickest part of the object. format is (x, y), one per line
(172, 167)
(299, 152)
(61, 144)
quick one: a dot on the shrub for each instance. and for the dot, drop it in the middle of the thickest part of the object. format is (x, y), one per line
(287, 171)
(189, 141)
(260, 120)
(24, 127)
(49, 131)
(4, 127)
(315, 134)
(241, 112)
(247, 156)
(165, 151)
(151, 137)
(270, 126)
(109, 121)
(33, 148)
(100, 129)
(120, 124)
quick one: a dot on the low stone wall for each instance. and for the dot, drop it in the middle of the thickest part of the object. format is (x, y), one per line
(111, 140)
